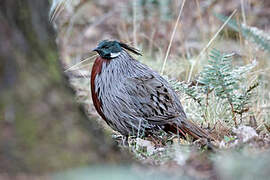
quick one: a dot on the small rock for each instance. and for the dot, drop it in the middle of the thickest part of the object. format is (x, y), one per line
(144, 143)
(245, 133)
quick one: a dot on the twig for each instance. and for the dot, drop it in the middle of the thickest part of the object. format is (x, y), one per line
(209, 43)
(134, 22)
(80, 67)
(173, 33)
(243, 12)
(56, 9)
(87, 59)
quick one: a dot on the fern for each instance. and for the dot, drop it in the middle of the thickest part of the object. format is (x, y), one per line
(223, 82)
(219, 77)
(252, 34)
(241, 101)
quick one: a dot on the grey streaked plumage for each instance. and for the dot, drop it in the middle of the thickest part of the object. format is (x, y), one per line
(132, 98)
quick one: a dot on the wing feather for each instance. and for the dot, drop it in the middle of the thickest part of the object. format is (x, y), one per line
(153, 99)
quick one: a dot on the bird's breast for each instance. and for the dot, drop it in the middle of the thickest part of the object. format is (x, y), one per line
(96, 70)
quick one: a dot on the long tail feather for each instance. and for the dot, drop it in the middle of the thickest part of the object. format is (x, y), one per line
(188, 127)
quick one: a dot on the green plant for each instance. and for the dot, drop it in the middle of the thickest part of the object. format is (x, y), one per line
(221, 83)
(252, 34)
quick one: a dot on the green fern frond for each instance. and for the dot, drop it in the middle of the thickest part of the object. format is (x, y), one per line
(252, 34)
(220, 83)
(218, 75)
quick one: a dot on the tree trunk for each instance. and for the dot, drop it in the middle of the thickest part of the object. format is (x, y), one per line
(41, 126)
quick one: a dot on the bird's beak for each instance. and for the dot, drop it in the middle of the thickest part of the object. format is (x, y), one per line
(96, 49)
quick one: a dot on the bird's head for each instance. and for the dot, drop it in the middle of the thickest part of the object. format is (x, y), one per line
(112, 49)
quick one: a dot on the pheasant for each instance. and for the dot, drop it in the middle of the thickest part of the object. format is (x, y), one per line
(132, 98)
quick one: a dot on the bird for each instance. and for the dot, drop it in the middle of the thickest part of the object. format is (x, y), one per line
(132, 98)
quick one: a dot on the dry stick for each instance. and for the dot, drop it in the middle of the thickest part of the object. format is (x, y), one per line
(209, 43)
(87, 59)
(59, 8)
(173, 33)
(243, 12)
(80, 67)
(56, 10)
(134, 22)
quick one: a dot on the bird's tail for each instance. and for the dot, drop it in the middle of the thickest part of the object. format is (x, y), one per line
(189, 127)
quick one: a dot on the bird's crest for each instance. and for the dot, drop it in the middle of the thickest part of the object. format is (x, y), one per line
(129, 48)
(112, 49)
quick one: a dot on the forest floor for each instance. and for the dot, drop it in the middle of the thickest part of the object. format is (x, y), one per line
(148, 25)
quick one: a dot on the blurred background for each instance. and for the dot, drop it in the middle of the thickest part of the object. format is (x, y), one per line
(45, 135)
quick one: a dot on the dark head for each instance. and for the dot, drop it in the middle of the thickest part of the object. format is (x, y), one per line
(111, 49)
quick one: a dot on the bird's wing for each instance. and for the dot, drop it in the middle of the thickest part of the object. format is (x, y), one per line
(151, 98)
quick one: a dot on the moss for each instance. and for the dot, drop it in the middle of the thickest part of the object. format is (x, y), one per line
(26, 129)
(53, 65)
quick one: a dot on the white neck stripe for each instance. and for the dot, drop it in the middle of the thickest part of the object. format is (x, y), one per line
(113, 55)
